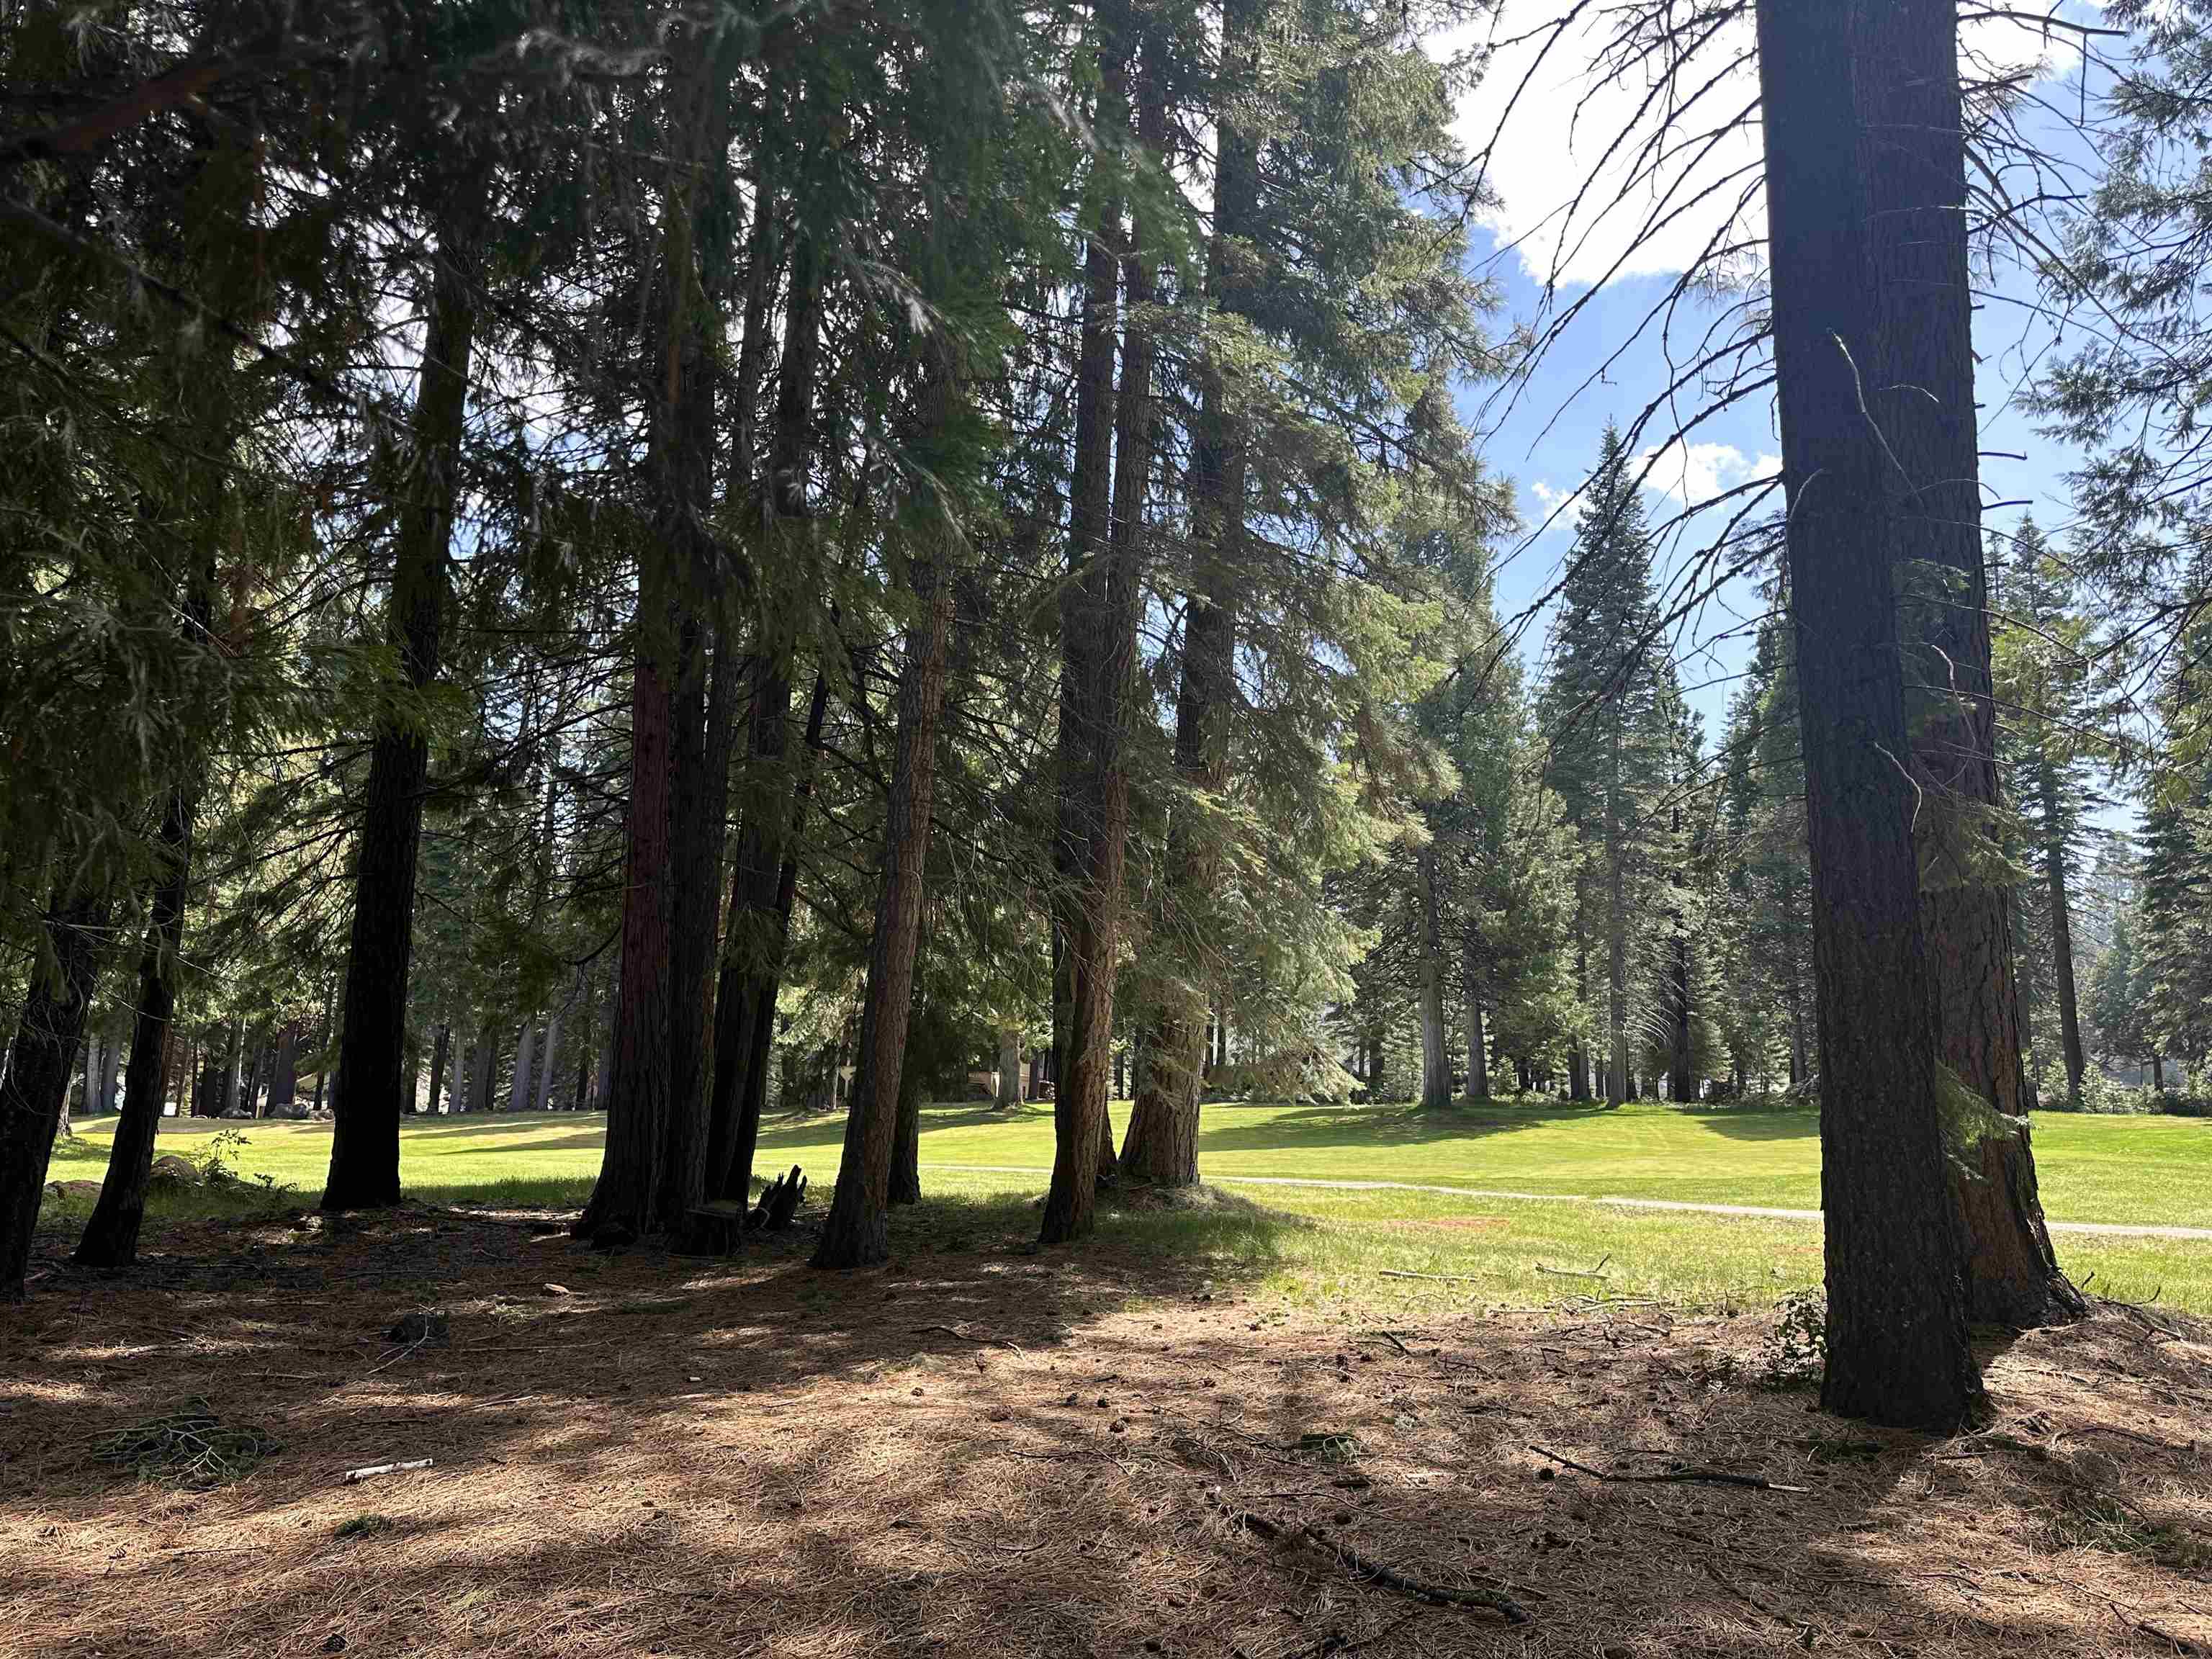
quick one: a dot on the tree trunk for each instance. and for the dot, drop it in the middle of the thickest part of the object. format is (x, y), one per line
(2062, 935)
(1617, 1086)
(547, 1054)
(1096, 645)
(439, 1054)
(1578, 1067)
(759, 911)
(638, 1084)
(1010, 1069)
(39, 1060)
(111, 1236)
(1897, 1348)
(520, 1081)
(744, 1008)
(110, 1064)
(1161, 1147)
(1477, 1056)
(234, 1062)
(1436, 1047)
(1680, 1083)
(1919, 388)
(486, 1060)
(857, 1232)
(364, 1170)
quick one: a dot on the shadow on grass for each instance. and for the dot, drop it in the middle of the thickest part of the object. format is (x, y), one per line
(966, 1451)
(1221, 1128)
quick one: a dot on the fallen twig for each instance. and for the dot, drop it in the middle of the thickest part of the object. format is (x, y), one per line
(1597, 1272)
(957, 1334)
(1365, 1567)
(1436, 1278)
(396, 1358)
(2180, 1645)
(354, 1477)
(1711, 1477)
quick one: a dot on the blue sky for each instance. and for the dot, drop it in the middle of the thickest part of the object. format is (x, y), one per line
(1546, 440)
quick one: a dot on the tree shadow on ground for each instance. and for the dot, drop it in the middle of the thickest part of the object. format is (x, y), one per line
(987, 1450)
(1295, 1128)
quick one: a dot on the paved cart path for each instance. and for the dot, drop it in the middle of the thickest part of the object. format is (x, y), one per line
(2108, 1229)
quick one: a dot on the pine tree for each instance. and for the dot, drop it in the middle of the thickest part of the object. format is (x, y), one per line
(1602, 715)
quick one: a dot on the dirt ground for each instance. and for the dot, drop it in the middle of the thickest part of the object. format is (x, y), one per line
(984, 1451)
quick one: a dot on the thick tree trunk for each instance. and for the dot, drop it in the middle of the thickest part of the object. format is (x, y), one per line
(110, 1064)
(36, 1082)
(857, 1232)
(1919, 389)
(745, 1007)
(1096, 628)
(1578, 1065)
(706, 699)
(1435, 1044)
(638, 1084)
(520, 1081)
(234, 1062)
(1897, 1349)
(1680, 1083)
(654, 1166)
(549, 1055)
(485, 1060)
(1161, 1147)
(364, 1169)
(111, 1236)
(1477, 1055)
(765, 869)
(439, 1053)
(1010, 1069)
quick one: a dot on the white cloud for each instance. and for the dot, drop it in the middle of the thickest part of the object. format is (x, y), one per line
(1641, 213)
(1552, 498)
(1687, 474)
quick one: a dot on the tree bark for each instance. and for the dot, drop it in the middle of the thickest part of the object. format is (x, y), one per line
(638, 1084)
(547, 1055)
(1617, 1086)
(1096, 652)
(111, 1236)
(705, 700)
(440, 1051)
(759, 913)
(1477, 1056)
(1897, 1348)
(1010, 1069)
(857, 1233)
(110, 1063)
(1435, 1046)
(36, 1082)
(1161, 1147)
(364, 1170)
(1919, 389)
(1578, 1065)
(2061, 932)
(519, 1081)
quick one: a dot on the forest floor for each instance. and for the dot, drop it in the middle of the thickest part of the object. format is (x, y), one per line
(983, 1450)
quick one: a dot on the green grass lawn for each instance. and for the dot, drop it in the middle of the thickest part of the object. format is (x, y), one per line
(1318, 1246)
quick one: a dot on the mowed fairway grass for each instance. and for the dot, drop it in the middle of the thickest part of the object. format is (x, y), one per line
(1315, 1245)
